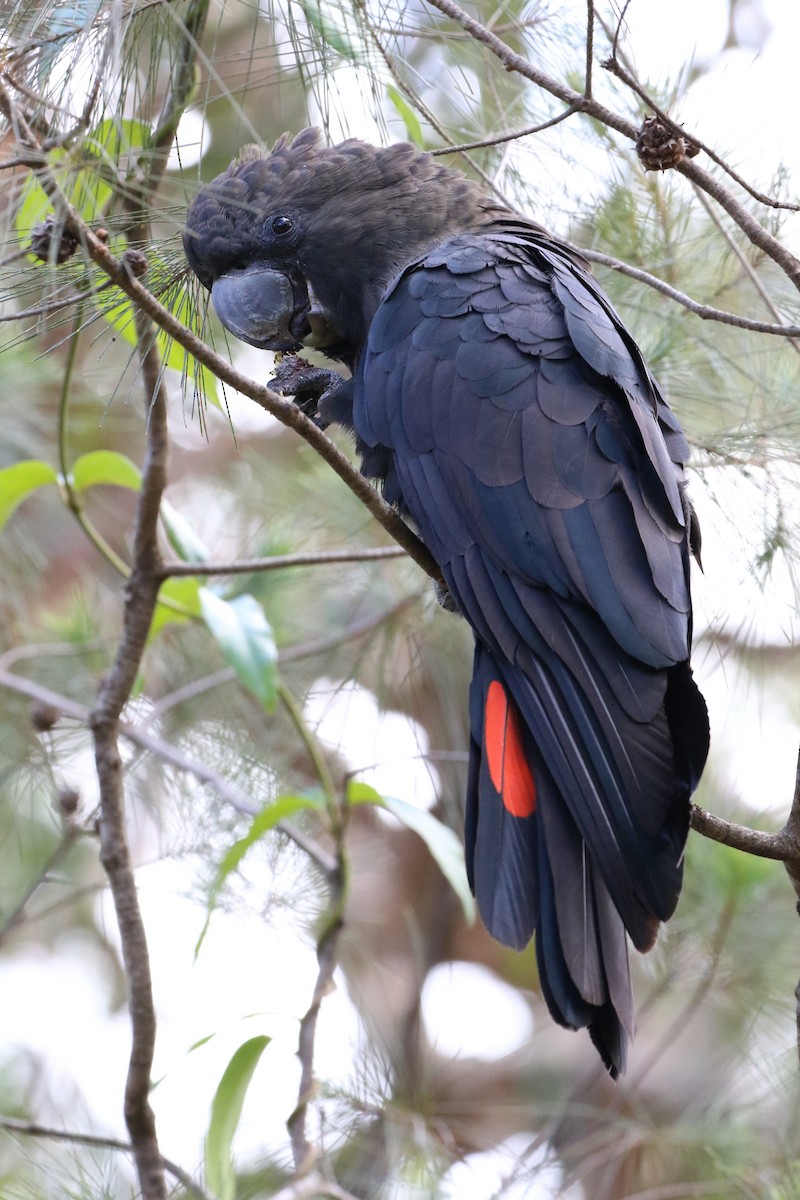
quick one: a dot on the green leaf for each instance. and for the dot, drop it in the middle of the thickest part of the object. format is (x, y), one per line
(262, 823)
(182, 535)
(120, 316)
(203, 1041)
(226, 1111)
(105, 466)
(115, 136)
(178, 601)
(182, 303)
(363, 793)
(89, 193)
(33, 207)
(410, 119)
(330, 33)
(244, 635)
(20, 481)
(445, 847)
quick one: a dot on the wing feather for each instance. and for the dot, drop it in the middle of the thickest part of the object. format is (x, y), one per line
(533, 450)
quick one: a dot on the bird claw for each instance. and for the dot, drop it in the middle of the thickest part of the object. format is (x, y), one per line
(445, 597)
(309, 385)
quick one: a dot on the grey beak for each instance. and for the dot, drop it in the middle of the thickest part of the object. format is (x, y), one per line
(256, 305)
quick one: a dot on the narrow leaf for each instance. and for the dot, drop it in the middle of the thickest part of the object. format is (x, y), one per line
(444, 846)
(178, 601)
(183, 303)
(262, 823)
(245, 638)
(105, 466)
(409, 117)
(183, 537)
(226, 1111)
(120, 317)
(19, 481)
(331, 35)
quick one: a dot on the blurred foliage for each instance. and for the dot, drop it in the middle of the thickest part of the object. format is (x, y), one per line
(709, 1107)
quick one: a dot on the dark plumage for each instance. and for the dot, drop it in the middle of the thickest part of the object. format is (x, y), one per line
(508, 412)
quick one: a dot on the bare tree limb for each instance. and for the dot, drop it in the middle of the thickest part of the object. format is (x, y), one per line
(303, 1151)
(589, 56)
(740, 837)
(513, 61)
(327, 949)
(705, 311)
(278, 562)
(509, 135)
(615, 67)
(140, 602)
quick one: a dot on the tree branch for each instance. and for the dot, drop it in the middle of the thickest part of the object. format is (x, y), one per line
(278, 562)
(32, 1129)
(705, 311)
(740, 837)
(17, 914)
(586, 104)
(327, 949)
(140, 602)
(615, 67)
(122, 273)
(139, 737)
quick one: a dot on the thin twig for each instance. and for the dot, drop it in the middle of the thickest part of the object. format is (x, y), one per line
(513, 61)
(327, 941)
(279, 562)
(140, 602)
(209, 683)
(705, 311)
(17, 914)
(314, 751)
(615, 67)
(327, 947)
(71, 494)
(50, 306)
(589, 60)
(32, 1129)
(453, 35)
(168, 753)
(284, 410)
(15, 256)
(743, 261)
(509, 135)
(414, 100)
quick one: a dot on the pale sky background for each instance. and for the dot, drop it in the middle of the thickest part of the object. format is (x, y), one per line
(747, 105)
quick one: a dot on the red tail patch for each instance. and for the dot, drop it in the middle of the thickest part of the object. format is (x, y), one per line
(508, 767)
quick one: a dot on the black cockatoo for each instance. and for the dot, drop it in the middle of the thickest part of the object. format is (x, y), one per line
(508, 413)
